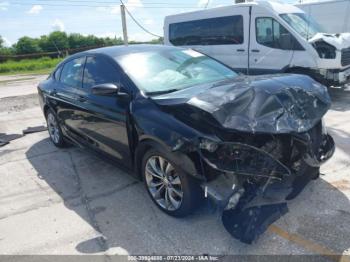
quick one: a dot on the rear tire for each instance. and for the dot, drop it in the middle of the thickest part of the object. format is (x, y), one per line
(170, 188)
(54, 129)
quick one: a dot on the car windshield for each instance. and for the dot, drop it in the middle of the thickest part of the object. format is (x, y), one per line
(305, 25)
(171, 70)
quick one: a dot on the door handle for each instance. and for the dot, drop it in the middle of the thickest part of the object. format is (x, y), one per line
(81, 98)
(255, 50)
(240, 50)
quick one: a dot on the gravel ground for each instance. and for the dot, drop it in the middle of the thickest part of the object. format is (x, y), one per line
(18, 103)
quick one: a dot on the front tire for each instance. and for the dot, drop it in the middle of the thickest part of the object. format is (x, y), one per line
(54, 129)
(170, 188)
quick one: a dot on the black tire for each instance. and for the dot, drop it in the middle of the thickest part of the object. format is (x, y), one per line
(57, 138)
(189, 185)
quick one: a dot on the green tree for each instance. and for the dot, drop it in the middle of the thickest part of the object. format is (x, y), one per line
(76, 41)
(57, 40)
(157, 41)
(27, 45)
(45, 44)
(7, 51)
(1, 41)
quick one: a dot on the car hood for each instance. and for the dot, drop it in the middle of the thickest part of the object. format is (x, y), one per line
(339, 41)
(264, 104)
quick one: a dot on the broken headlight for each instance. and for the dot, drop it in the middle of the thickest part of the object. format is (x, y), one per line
(208, 145)
(241, 159)
(325, 50)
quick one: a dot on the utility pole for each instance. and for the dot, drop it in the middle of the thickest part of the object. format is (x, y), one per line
(125, 32)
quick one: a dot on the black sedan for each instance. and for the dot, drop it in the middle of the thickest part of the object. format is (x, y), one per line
(191, 127)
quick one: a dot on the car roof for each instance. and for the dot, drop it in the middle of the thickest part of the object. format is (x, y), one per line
(115, 51)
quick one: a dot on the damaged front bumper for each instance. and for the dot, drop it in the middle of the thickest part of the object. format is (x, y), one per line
(253, 186)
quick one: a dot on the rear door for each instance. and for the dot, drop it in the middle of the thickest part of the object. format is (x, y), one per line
(104, 118)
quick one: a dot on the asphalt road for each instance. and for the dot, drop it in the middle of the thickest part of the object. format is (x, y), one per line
(68, 201)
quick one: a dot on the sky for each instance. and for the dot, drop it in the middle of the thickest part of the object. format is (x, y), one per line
(34, 18)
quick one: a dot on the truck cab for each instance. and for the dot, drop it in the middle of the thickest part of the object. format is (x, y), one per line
(264, 37)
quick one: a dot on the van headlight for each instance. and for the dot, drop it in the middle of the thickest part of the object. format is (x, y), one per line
(208, 145)
(325, 50)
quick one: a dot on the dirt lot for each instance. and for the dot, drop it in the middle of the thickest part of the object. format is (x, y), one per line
(55, 201)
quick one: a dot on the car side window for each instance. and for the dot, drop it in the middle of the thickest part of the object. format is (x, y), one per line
(99, 70)
(272, 34)
(72, 72)
(57, 73)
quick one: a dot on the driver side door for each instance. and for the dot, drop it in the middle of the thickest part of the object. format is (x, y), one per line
(272, 46)
(105, 118)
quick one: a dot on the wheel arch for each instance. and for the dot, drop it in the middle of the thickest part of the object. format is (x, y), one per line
(46, 108)
(180, 159)
(309, 72)
(296, 69)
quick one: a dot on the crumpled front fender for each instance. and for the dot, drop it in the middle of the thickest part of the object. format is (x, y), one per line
(324, 153)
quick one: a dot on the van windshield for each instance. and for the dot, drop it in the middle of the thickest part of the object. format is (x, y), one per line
(166, 71)
(305, 25)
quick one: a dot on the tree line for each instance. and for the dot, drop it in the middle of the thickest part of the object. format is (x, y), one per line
(59, 42)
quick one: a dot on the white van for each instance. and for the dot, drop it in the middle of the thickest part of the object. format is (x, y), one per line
(263, 37)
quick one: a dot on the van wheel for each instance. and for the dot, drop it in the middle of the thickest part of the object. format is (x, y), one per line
(54, 129)
(314, 76)
(170, 188)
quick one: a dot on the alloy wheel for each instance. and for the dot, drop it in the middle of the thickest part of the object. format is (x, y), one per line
(164, 183)
(53, 128)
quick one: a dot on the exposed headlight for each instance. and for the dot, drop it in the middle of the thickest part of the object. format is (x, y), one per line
(325, 50)
(208, 145)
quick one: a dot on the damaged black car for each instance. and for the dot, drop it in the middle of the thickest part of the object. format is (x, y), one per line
(192, 128)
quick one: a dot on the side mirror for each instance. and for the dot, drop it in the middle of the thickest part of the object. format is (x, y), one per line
(107, 89)
(286, 42)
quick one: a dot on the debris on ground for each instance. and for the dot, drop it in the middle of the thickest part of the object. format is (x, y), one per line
(6, 138)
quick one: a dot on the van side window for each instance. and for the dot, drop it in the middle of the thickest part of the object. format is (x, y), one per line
(272, 34)
(99, 71)
(72, 72)
(227, 30)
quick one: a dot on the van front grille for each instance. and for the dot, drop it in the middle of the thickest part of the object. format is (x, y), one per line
(345, 56)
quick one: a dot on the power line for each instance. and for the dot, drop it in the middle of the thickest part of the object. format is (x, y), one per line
(107, 2)
(136, 22)
(98, 5)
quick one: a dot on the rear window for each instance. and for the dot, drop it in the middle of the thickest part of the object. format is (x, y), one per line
(227, 30)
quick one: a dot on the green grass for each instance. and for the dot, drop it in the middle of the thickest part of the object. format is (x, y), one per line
(29, 66)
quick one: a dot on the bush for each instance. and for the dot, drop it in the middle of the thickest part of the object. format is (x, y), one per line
(28, 65)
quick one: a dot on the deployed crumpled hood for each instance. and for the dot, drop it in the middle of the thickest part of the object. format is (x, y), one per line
(266, 104)
(339, 41)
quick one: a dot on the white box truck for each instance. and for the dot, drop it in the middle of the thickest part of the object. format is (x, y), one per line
(333, 16)
(263, 37)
